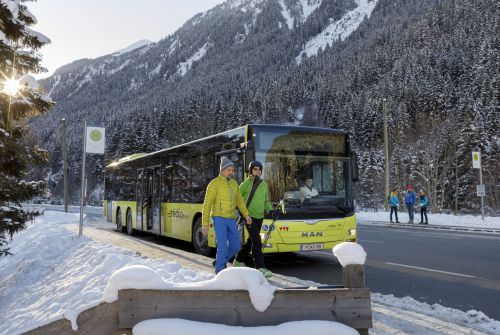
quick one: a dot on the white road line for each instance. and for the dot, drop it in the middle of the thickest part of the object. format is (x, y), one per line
(431, 270)
(370, 241)
(438, 236)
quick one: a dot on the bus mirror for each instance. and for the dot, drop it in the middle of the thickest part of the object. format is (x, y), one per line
(354, 166)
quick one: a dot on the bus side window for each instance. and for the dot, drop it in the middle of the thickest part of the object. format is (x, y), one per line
(167, 182)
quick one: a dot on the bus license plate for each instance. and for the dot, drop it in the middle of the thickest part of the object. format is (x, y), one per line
(309, 247)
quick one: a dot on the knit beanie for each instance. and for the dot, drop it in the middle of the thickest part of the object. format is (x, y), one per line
(225, 163)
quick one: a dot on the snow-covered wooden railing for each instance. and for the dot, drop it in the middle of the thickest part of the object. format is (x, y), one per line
(247, 301)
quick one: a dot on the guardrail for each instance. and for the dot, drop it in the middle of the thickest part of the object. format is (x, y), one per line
(349, 305)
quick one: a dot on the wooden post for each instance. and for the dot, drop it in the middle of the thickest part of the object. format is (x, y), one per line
(353, 276)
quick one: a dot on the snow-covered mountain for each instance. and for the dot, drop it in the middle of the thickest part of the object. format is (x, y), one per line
(312, 62)
(133, 46)
(224, 29)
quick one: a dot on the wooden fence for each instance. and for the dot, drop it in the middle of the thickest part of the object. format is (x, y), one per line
(349, 305)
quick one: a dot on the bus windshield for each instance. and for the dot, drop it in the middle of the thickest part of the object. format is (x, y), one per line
(308, 170)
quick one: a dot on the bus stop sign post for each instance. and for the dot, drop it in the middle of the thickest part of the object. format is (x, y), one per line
(93, 143)
(481, 191)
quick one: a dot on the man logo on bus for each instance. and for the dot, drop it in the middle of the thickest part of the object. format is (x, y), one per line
(312, 234)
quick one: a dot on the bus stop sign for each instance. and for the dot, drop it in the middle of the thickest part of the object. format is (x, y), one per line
(481, 190)
(476, 160)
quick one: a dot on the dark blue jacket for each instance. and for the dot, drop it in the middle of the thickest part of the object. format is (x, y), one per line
(410, 198)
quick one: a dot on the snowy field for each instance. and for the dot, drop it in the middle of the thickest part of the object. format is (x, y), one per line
(53, 274)
(435, 219)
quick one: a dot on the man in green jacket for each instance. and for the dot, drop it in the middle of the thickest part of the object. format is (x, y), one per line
(221, 199)
(257, 207)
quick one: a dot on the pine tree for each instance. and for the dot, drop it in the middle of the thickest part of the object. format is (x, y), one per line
(18, 47)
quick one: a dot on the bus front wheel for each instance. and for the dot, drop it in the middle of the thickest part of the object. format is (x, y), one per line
(130, 230)
(199, 241)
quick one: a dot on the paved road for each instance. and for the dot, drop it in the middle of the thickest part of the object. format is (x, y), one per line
(453, 269)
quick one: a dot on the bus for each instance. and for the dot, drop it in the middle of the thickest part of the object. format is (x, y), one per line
(162, 192)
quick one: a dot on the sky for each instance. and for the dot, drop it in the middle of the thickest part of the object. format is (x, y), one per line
(92, 28)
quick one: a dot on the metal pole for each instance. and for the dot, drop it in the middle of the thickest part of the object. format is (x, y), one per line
(386, 152)
(65, 163)
(456, 181)
(481, 182)
(83, 177)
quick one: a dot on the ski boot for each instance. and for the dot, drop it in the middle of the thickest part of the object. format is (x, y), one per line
(266, 272)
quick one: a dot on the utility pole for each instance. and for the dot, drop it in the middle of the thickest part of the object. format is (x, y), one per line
(65, 162)
(386, 152)
(456, 181)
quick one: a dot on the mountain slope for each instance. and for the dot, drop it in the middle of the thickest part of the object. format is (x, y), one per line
(311, 62)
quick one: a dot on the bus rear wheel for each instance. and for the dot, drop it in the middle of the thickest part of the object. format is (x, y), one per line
(199, 241)
(130, 230)
(119, 226)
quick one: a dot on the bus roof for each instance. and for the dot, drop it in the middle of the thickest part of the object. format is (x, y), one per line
(303, 128)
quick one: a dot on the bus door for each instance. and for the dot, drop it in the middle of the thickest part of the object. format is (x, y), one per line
(140, 199)
(109, 211)
(236, 156)
(154, 199)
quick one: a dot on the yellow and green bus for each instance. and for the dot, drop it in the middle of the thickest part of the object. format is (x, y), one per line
(162, 192)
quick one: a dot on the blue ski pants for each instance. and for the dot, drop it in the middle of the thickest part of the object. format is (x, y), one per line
(228, 241)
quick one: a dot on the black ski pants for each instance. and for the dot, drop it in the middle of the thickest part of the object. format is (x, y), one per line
(254, 244)
(395, 210)
(423, 211)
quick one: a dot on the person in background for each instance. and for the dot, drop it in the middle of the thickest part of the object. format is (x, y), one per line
(394, 200)
(410, 201)
(257, 207)
(221, 199)
(423, 202)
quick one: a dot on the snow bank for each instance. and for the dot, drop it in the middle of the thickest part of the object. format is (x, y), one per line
(349, 253)
(142, 277)
(436, 219)
(53, 274)
(185, 327)
(471, 319)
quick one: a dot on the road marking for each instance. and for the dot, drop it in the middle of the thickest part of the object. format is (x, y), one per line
(431, 270)
(370, 241)
(438, 236)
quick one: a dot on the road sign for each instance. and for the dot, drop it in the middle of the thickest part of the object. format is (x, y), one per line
(95, 140)
(481, 190)
(476, 160)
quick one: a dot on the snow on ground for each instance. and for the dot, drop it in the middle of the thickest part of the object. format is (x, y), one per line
(472, 221)
(185, 327)
(340, 29)
(54, 274)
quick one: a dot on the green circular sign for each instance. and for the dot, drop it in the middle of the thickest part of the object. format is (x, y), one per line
(95, 135)
(476, 157)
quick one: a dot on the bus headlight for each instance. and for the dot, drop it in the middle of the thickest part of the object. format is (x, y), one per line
(352, 232)
(262, 236)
